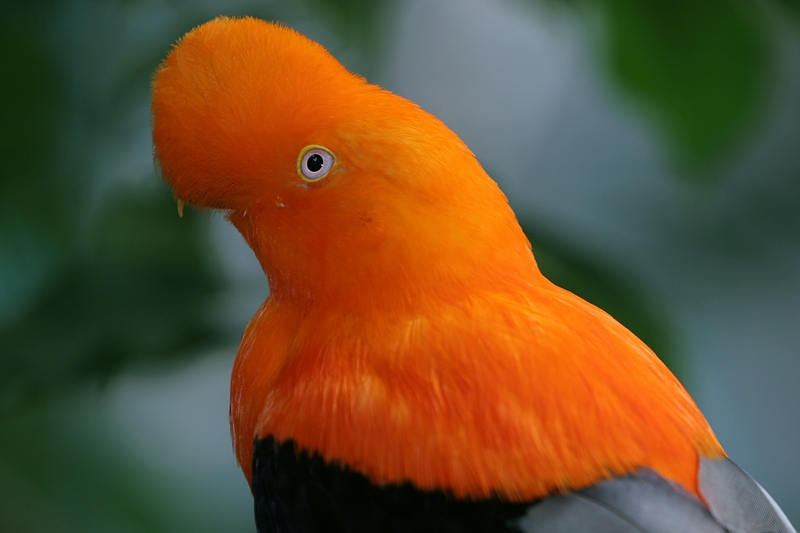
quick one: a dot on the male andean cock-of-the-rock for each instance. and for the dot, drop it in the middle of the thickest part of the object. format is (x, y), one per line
(411, 369)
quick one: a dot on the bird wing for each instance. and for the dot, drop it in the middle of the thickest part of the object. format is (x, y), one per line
(640, 503)
(647, 503)
(737, 501)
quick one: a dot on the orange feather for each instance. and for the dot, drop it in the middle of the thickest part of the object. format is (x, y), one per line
(409, 333)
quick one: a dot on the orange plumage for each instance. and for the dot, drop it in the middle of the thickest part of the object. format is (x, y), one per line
(408, 334)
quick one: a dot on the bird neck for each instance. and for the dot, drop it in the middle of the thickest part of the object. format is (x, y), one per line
(391, 264)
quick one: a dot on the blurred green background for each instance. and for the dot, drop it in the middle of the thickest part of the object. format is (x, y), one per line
(651, 149)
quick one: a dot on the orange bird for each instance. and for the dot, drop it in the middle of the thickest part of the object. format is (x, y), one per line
(411, 369)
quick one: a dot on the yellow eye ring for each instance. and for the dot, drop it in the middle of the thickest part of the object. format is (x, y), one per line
(314, 162)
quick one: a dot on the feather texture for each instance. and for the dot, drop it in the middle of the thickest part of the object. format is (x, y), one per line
(737, 501)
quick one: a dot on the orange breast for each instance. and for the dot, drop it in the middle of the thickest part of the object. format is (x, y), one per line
(516, 394)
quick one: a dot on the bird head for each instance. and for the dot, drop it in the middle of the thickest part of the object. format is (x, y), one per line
(324, 173)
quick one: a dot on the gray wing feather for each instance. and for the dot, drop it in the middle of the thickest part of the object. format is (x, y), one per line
(647, 503)
(737, 501)
(640, 503)
(572, 513)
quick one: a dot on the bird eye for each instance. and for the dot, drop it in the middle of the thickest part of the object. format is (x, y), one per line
(314, 162)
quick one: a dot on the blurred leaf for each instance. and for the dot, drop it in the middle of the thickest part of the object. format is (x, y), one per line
(362, 25)
(37, 215)
(354, 19)
(699, 66)
(30, 102)
(96, 489)
(27, 102)
(609, 291)
(63, 469)
(792, 5)
(145, 290)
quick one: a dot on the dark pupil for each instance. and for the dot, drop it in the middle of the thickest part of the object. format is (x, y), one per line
(314, 163)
